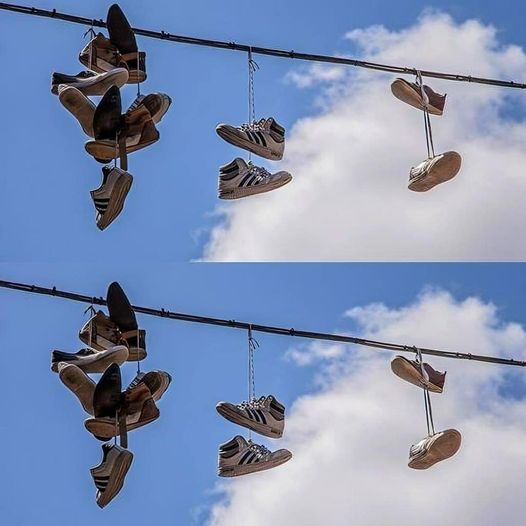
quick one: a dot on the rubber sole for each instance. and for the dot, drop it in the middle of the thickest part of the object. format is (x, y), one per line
(116, 203)
(116, 480)
(100, 84)
(442, 171)
(105, 150)
(244, 421)
(240, 142)
(104, 428)
(403, 368)
(79, 106)
(238, 193)
(99, 362)
(403, 91)
(446, 444)
(245, 469)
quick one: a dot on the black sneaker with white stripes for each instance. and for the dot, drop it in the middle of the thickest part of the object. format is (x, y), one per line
(239, 179)
(109, 197)
(240, 457)
(110, 473)
(265, 138)
(265, 415)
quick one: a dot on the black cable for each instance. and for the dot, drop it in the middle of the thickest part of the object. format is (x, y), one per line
(162, 35)
(192, 318)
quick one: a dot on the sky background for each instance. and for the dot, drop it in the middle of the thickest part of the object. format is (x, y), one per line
(469, 308)
(350, 168)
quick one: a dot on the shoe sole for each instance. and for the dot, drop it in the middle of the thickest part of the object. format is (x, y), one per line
(404, 92)
(238, 193)
(442, 171)
(80, 107)
(241, 142)
(236, 471)
(104, 151)
(99, 85)
(244, 421)
(105, 429)
(99, 362)
(116, 480)
(403, 368)
(116, 203)
(444, 447)
(81, 385)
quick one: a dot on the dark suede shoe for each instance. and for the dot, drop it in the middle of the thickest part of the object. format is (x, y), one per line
(107, 396)
(107, 120)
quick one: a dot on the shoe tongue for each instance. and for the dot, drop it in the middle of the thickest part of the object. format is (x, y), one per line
(106, 170)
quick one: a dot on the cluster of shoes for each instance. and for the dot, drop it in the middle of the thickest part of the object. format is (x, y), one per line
(435, 169)
(112, 62)
(238, 178)
(112, 340)
(437, 446)
(239, 456)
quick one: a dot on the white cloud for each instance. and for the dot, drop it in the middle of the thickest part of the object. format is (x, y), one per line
(350, 437)
(349, 200)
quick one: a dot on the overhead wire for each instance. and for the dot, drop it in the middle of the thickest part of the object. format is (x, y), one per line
(255, 327)
(281, 53)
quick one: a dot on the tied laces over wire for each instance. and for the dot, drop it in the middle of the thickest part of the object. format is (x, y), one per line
(90, 33)
(91, 310)
(252, 67)
(252, 346)
(427, 118)
(427, 398)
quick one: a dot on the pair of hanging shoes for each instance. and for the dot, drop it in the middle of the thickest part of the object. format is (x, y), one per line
(436, 169)
(238, 178)
(239, 456)
(436, 446)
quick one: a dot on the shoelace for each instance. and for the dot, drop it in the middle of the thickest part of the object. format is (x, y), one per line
(261, 173)
(253, 404)
(260, 450)
(255, 126)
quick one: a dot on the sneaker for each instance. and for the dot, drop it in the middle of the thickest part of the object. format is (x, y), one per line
(100, 55)
(434, 171)
(265, 138)
(435, 448)
(122, 36)
(156, 381)
(411, 94)
(265, 416)
(79, 106)
(239, 179)
(90, 83)
(91, 361)
(123, 315)
(100, 333)
(156, 103)
(145, 412)
(110, 473)
(107, 395)
(79, 383)
(109, 197)
(410, 371)
(140, 133)
(107, 121)
(240, 457)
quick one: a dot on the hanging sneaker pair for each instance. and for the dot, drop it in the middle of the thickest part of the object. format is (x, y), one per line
(436, 169)
(102, 332)
(239, 456)
(238, 178)
(436, 446)
(120, 50)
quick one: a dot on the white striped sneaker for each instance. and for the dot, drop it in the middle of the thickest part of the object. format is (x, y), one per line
(110, 473)
(240, 457)
(109, 197)
(265, 138)
(239, 179)
(265, 416)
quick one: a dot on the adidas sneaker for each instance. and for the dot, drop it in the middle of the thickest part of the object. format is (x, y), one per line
(109, 197)
(110, 473)
(434, 171)
(239, 179)
(265, 416)
(265, 138)
(240, 457)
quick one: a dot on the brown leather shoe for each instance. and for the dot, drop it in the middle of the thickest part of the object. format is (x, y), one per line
(410, 371)
(411, 94)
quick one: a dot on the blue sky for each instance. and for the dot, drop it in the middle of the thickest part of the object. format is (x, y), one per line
(47, 451)
(168, 212)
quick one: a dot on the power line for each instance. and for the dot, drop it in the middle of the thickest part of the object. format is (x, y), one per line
(255, 327)
(282, 53)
